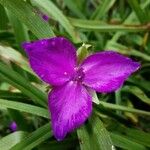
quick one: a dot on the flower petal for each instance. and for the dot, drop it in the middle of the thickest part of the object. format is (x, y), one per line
(52, 59)
(70, 105)
(106, 71)
(13, 126)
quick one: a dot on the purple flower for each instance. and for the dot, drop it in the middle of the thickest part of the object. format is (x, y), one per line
(41, 14)
(45, 17)
(70, 103)
(13, 126)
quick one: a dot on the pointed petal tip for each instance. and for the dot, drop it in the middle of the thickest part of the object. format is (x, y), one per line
(25, 45)
(51, 58)
(70, 106)
(59, 134)
(137, 65)
(59, 140)
(106, 71)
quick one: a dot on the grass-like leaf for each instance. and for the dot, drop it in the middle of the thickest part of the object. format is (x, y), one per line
(93, 135)
(21, 83)
(89, 25)
(125, 143)
(52, 9)
(35, 110)
(34, 139)
(138, 93)
(7, 142)
(25, 13)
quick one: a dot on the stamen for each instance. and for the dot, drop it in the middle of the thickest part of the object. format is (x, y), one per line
(79, 75)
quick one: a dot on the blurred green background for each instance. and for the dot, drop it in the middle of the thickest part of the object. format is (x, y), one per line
(120, 120)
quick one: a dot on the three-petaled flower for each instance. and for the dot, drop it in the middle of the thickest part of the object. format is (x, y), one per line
(54, 60)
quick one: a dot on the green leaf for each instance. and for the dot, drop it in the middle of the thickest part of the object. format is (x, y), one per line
(9, 54)
(144, 84)
(95, 98)
(82, 52)
(138, 93)
(112, 114)
(137, 9)
(18, 117)
(84, 138)
(138, 136)
(34, 139)
(67, 144)
(4, 94)
(93, 135)
(123, 108)
(135, 135)
(131, 116)
(3, 18)
(118, 100)
(125, 143)
(127, 50)
(74, 8)
(89, 25)
(51, 9)
(7, 142)
(102, 9)
(20, 30)
(35, 110)
(26, 14)
(128, 20)
(8, 75)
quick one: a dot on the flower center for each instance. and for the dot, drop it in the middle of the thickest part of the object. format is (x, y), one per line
(78, 75)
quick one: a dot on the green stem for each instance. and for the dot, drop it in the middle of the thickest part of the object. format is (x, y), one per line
(34, 139)
(123, 108)
(23, 107)
(138, 11)
(103, 27)
(118, 100)
(102, 9)
(129, 20)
